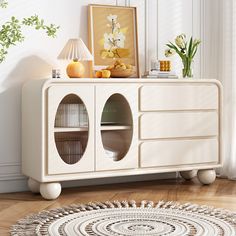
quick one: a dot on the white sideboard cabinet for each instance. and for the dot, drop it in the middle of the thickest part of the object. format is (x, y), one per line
(95, 128)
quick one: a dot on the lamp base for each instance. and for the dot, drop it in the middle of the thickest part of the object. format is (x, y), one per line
(75, 69)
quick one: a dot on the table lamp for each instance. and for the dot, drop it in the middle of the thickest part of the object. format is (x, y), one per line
(75, 50)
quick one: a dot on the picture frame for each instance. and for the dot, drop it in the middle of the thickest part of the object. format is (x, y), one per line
(113, 35)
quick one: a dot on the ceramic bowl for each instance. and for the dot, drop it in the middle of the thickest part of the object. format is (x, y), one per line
(121, 73)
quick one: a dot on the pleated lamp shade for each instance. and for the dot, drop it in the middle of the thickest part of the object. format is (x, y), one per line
(75, 49)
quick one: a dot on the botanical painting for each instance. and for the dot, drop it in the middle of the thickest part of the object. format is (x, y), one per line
(113, 35)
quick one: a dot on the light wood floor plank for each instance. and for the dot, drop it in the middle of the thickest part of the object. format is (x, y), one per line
(221, 194)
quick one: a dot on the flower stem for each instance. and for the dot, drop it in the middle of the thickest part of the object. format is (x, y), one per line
(187, 70)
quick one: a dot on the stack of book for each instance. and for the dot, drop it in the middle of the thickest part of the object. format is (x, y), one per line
(70, 151)
(160, 74)
(71, 115)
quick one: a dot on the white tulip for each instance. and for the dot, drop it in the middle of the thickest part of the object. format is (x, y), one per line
(196, 41)
(169, 52)
(180, 41)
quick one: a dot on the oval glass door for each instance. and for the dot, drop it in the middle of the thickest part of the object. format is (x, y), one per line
(116, 127)
(71, 129)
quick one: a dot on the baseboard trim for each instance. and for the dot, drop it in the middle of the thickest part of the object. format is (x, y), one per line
(10, 171)
(13, 185)
(9, 177)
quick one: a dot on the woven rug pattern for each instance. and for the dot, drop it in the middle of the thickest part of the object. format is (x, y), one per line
(126, 218)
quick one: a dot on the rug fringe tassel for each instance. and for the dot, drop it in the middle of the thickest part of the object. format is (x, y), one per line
(32, 224)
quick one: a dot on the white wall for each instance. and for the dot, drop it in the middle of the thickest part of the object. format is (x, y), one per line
(174, 18)
(158, 22)
(210, 34)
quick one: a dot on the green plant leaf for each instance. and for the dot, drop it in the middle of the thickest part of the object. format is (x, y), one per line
(187, 54)
(3, 4)
(11, 31)
(190, 47)
(194, 52)
(171, 45)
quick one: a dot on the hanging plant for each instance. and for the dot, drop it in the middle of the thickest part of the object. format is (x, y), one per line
(11, 31)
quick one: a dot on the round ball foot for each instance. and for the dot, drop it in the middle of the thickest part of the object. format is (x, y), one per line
(50, 191)
(189, 174)
(206, 176)
(33, 185)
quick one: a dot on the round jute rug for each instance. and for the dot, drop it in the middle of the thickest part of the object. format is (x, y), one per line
(129, 218)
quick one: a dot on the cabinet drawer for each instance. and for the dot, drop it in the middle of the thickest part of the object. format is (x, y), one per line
(178, 124)
(178, 152)
(178, 97)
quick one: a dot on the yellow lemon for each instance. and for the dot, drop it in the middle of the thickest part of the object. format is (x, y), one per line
(129, 66)
(123, 67)
(118, 62)
(106, 74)
(118, 66)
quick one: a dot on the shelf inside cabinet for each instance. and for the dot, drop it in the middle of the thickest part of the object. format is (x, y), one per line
(70, 129)
(71, 113)
(115, 127)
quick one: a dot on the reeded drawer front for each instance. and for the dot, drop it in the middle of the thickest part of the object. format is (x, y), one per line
(178, 152)
(178, 97)
(178, 124)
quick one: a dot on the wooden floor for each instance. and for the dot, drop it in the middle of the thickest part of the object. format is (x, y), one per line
(220, 194)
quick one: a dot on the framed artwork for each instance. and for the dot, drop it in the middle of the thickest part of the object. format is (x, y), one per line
(113, 36)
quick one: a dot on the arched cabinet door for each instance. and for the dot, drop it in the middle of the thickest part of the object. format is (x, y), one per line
(116, 127)
(70, 135)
